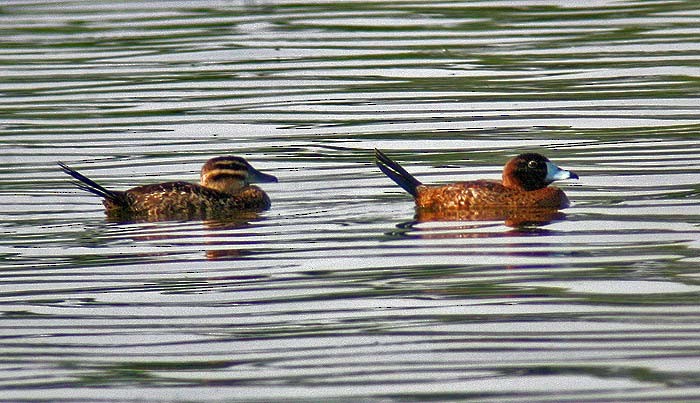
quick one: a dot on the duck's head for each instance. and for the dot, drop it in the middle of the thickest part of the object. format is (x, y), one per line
(229, 174)
(533, 171)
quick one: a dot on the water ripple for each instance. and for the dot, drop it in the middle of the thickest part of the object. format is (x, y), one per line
(341, 292)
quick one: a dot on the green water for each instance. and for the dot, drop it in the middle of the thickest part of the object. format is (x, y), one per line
(338, 292)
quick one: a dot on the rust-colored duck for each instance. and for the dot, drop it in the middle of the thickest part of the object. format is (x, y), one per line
(524, 188)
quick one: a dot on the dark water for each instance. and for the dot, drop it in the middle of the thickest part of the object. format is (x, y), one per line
(338, 293)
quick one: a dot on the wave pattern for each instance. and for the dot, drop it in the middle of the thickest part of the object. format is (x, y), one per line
(339, 293)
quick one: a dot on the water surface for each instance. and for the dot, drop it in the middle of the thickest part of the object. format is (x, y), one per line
(339, 292)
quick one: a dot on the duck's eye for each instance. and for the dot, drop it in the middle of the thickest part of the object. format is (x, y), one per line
(532, 164)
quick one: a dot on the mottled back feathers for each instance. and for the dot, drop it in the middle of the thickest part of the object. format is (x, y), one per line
(224, 191)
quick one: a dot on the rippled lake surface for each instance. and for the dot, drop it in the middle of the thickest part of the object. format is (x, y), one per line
(339, 292)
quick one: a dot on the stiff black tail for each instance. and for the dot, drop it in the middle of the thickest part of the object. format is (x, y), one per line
(88, 185)
(394, 171)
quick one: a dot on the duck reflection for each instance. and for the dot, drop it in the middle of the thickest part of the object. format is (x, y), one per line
(219, 229)
(512, 217)
(231, 237)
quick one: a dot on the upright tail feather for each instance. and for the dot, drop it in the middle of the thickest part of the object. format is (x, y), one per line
(394, 171)
(88, 185)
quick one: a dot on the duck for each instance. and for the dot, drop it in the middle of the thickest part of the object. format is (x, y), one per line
(224, 190)
(524, 185)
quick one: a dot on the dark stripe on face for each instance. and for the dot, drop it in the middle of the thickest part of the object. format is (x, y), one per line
(228, 163)
(235, 175)
(234, 165)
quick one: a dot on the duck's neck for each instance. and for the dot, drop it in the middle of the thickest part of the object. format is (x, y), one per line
(223, 182)
(510, 181)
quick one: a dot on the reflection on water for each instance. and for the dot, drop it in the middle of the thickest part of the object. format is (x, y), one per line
(342, 291)
(513, 217)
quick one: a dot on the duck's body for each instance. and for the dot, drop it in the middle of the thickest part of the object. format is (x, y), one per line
(224, 192)
(524, 185)
(485, 193)
(183, 201)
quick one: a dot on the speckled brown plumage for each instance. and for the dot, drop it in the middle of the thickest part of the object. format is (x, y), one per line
(224, 192)
(183, 201)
